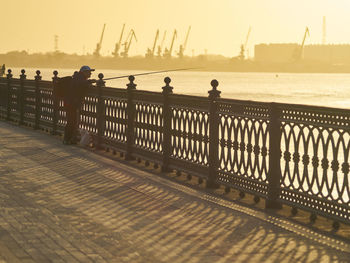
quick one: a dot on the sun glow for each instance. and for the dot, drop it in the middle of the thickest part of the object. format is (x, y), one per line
(219, 27)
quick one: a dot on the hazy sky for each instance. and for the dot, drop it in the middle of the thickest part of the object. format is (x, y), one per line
(219, 26)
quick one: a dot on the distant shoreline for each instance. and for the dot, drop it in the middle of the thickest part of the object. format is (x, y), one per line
(200, 63)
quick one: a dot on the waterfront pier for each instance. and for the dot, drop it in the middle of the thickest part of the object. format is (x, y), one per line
(67, 204)
(74, 204)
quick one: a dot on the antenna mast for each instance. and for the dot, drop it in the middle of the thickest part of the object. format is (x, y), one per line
(324, 31)
(56, 43)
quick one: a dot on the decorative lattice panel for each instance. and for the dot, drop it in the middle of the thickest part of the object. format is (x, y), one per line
(46, 104)
(190, 135)
(243, 146)
(88, 114)
(29, 103)
(115, 119)
(315, 149)
(3, 97)
(148, 126)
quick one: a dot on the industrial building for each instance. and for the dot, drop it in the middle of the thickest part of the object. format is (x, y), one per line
(274, 53)
(286, 53)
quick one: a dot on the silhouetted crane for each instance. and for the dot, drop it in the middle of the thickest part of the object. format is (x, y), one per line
(244, 46)
(167, 52)
(150, 52)
(160, 48)
(127, 43)
(183, 47)
(298, 53)
(118, 45)
(98, 46)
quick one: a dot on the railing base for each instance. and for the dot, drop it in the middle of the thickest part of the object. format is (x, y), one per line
(212, 185)
(272, 204)
(129, 157)
(165, 169)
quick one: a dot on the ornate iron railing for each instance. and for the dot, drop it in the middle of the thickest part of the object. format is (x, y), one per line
(288, 154)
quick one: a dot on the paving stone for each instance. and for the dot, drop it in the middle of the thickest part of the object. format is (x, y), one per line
(63, 203)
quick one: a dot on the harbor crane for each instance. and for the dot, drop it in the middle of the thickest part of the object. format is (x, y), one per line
(150, 52)
(98, 46)
(127, 43)
(167, 52)
(160, 47)
(242, 55)
(118, 45)
(183, 46)
(298, 53)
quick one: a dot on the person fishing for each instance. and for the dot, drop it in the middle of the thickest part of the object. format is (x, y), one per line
(73, 90)
(73, 99)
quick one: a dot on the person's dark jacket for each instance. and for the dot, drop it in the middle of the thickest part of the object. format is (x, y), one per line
(77, 90)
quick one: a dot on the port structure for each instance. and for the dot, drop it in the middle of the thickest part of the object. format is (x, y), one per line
(99, 44)
(243, 49)
(183, 46)
(150, 52)
(167, 52)
(160, 47)
(127, 43)
(118, 44)
(299, 52)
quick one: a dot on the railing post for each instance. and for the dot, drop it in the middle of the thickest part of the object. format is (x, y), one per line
(131, 86)
(167, 90)
(274, 173)
(213, 136)
(55, 104)
(9, 94)
(100, 111)
(21, 99)
(37, 100)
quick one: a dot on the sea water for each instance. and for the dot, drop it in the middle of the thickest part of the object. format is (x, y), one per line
(330, 90)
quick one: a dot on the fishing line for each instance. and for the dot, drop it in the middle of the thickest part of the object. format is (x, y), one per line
(148, 73)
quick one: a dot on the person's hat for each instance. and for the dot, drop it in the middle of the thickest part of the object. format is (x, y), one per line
(86, 68)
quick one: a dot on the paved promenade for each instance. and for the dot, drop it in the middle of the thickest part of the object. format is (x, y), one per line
(67, 204)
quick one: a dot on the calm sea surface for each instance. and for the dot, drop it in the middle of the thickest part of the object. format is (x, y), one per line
(332, 90)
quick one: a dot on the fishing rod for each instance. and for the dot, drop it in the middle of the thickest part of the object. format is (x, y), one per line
(148, 73)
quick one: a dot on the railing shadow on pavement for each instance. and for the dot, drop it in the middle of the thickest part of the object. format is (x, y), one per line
(172, 226)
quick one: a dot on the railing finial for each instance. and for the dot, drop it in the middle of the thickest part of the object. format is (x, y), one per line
(167, 80)
(23, 75)
(100, 82)
(9, 75)
(131, 85)
(131, 78)
(167, 89)
(37, 77)
(214, 83)
(214, 93)
(55, 78)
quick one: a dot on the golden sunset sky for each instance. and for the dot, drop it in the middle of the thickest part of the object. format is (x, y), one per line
(219, 26)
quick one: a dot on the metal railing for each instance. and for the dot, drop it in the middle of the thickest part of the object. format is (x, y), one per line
(288, 154)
